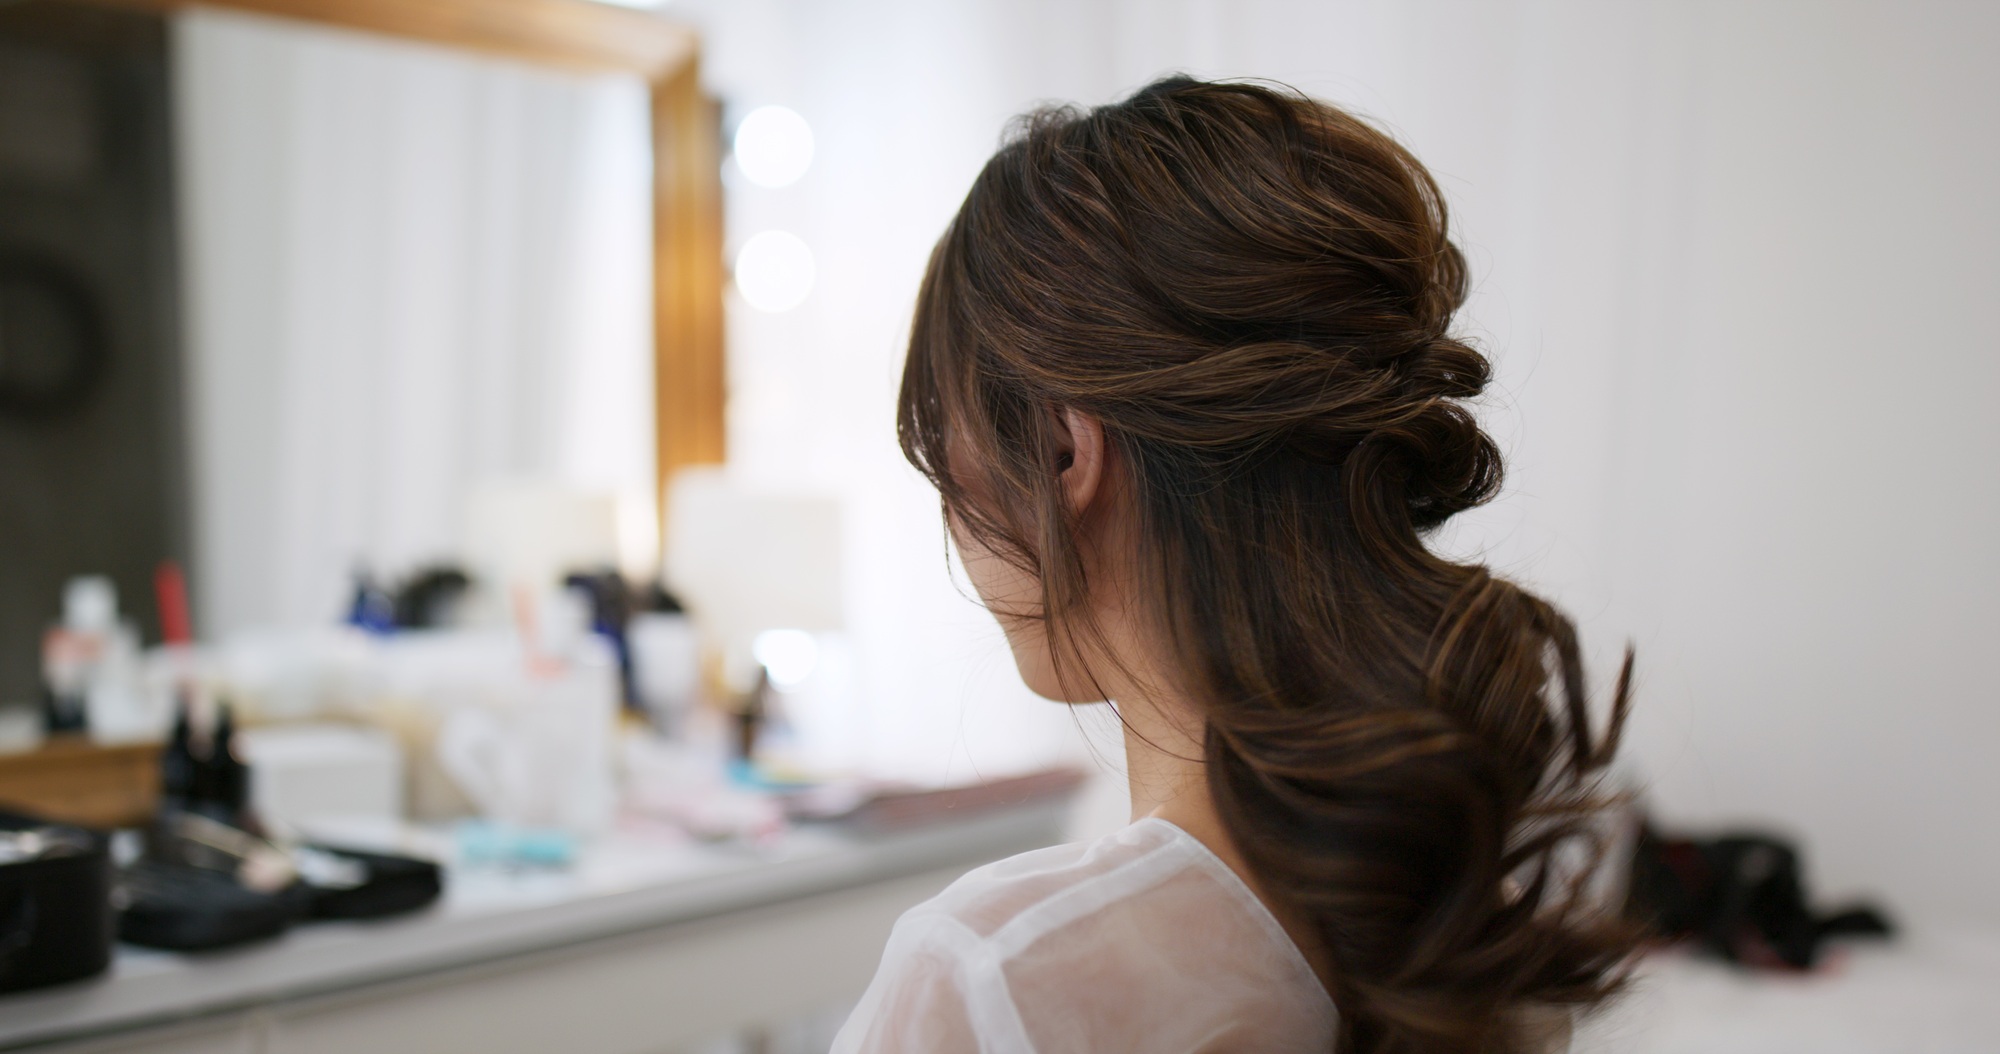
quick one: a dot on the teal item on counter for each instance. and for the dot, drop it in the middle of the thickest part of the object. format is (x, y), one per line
(487, 842)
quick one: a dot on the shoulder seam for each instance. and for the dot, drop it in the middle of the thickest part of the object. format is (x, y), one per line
(989, 1002)
(1072, 902)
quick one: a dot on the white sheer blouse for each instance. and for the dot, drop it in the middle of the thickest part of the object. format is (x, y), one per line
(1140, 941)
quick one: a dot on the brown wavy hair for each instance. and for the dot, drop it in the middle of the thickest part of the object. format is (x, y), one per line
(1253, 292)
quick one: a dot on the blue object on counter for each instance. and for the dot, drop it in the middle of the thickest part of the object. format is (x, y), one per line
(486, 842)
(372, 608)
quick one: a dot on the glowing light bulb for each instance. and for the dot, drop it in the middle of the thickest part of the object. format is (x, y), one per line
(774, 271)
(773, 146)
(788, 655)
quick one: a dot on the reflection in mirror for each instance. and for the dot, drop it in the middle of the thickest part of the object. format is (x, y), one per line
(412, 274)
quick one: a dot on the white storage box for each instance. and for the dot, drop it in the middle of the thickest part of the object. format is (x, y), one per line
(303, 773)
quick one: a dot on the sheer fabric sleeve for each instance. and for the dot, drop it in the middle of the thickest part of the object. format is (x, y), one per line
(1142, 942)
(916, 1003)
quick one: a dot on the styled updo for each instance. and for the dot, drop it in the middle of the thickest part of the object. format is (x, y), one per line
(1254, 292)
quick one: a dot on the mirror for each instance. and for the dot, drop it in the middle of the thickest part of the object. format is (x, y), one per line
(285, 283)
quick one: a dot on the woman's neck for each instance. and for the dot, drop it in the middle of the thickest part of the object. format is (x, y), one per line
(1163, 764)
(1168, 780)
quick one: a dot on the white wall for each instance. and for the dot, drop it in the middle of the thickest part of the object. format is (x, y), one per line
(1732, 260)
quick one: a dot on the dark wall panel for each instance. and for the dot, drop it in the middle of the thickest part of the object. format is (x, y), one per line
(91, 467)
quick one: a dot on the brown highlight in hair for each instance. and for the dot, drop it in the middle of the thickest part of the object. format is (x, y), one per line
(1253, 292)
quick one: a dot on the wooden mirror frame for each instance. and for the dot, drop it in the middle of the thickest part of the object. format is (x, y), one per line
(688, 379)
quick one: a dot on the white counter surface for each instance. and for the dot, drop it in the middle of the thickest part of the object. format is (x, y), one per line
(1931, 991)
(625, 882)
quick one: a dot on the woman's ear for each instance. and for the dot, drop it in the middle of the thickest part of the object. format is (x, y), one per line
(1080, 458)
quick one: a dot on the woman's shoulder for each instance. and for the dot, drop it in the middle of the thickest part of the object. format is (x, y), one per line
(1141, 940)
(1037, 889)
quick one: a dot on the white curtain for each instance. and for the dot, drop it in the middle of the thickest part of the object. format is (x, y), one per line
(409, 271)
(1734, 261)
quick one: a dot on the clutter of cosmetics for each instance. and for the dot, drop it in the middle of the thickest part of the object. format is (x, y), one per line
(90, 664)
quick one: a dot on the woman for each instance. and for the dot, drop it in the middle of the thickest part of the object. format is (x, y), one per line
(1182, 374)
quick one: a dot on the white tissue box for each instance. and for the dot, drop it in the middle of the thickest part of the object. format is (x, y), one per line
(305, 773)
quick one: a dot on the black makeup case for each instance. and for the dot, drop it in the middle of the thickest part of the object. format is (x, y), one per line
(55, 903)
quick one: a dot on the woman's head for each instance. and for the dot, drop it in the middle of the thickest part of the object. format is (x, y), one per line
(1230, 307)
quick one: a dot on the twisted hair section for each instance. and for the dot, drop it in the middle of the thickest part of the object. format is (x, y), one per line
(1254, 293)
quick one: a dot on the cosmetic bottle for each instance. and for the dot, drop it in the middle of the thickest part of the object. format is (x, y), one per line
(232, 776)
(177, 762)
(665, 652)
(222, 781)
(90, 665)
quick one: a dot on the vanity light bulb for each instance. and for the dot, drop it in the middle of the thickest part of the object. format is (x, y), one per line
(774, 271)
(773, 146)
(788, 655)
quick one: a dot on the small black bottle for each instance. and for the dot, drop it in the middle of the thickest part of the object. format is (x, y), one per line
(177, 762)
(225, 780)
(63, 713)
